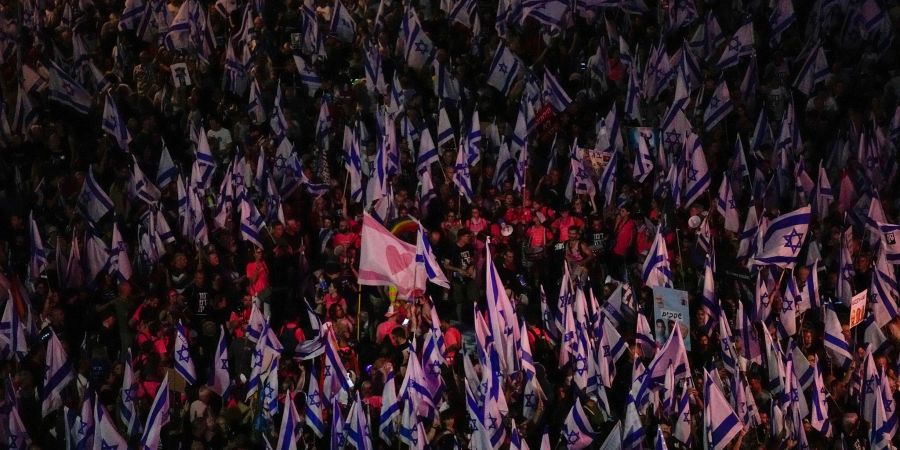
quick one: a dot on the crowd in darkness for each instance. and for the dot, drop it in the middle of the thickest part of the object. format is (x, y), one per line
(216, 179)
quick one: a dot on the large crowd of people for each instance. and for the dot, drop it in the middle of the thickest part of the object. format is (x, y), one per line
(449, 224)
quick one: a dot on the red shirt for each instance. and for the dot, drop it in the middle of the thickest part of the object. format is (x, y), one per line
(625, 232)
(348, 239)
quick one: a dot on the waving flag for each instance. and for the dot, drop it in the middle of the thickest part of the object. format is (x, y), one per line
(633, 95)
(184, 364)
(643, 160)
(782, 241)
(554, 94)
(106, 436)
(158, 417)
(576, 431)
(883, 291)
(719, 106)
(119, 263)
(338, 433)
(656, 271)
(835, 342)
(358, 426)
(58, 374)
(674, 354)
(429, 266)
(461, 176)
(740, 44)
(342, 24)
(390, 410)
(844, 288)
(720, 423)
(315, 403)
(220, 377)
(682, 429)
(289, 431)
(417, 46)
(127, 398)
(698, 176)
(114, 124)
(504, 69)
(12, 331)
(93, 201)
(813, 71)
(66, 91)
(633, 432)
(444, 130)
(644, 338)
(252, 223)
(428, 152)
(782, 17)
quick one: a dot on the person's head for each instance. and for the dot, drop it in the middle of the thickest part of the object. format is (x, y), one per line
(199, 278)
(278, 230)
(463, 237)
(660, 328)
(807, 337)
(398, 335)
(476, 213)
(213, 258)
(343, 225)
(257, 254)
(574, 233)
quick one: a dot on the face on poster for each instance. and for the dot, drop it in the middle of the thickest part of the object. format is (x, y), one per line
(670, 308)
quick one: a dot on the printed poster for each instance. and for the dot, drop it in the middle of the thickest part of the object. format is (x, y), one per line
(670, 307)
(858, 308)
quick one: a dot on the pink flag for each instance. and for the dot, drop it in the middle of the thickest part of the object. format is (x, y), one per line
(384, 259)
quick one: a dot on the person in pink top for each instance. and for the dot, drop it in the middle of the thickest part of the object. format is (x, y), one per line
(258, 273)
(565, 221)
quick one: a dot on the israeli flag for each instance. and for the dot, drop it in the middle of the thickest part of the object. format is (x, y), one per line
(782, 17)
(66, 91)
(720, 423)
(114, 123)
(184, 364)
(783, 239)
(719, 106)
(576, 432)
(58, 374)
(342, 24)
(461, 176)
(554, 94)
(656, 270)
(417, 46)
(158, 417)
(504, 69)
(93, 202)
(740, 44)
(37, 261)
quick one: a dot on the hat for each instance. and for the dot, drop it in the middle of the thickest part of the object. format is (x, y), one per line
(506, 230)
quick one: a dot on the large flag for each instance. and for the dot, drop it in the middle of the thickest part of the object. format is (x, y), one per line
(184, 364)
(720, 423)
(58, 374)
(656, 270)
(158, 417)
(504, 69)
(783, 239)
(385, 260)
(114, 123)
(93, 201)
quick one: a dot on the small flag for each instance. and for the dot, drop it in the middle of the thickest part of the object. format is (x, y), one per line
(158, 417)
(114, 124)
(719, 106)
(58, 374)
(184, 364)
(656, 271)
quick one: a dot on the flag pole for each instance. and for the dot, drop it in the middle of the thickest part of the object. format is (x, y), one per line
(358, 308)
(680, 259)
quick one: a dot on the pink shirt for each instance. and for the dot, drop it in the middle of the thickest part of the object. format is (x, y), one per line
(262, 280)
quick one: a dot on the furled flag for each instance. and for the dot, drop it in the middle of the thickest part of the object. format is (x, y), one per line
(114, 123)
(184, 364)
(119, 263)
(428, 152)
(883, 291)
(643, 159)
(719, 106)
(720, 423)
(93, 201)
(315, 403)
(698, 176)
(106, 436)
(289, 431)
(782, 17)
(725, 205)
(157, 418)
(656, 271)
(358, 426)
(740, 44)
(418, 48)
(66, 91)
(342, 24)
(554, 94)
(835, 342)
(782, 240)
(12, 331)
(504, 69)
(461, 176)
(220, 377)
(252, 223)
(58, 374)
(576, 431)
(37, 260)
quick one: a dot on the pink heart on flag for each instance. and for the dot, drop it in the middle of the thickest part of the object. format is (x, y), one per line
(396, 260)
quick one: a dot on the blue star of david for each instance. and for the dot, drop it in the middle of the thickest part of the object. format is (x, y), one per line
(313, 399)
(473, 424)
(13, 440)
(672, 138)
(224, 364)
(887, 404)
(328, 370)
(686, 417)
(70, 91)
(530, 400)
(508, 331)
(85, 197)
(257, 358)
(238, 179)
(731, 204)
(502, 67)
(345, 23)
(872, 161)
(435, 367)
(725, 342)
(492, 422)
(692, 174)
(764, 299)
(847, 272)
(580, 365)
(569, 336)
(111, 124)
(714, 102)
(421, 47)
(572, 437)
(280, 162)
(183, 354)
(414, 437)
(606, 350)
(82, 428)
(789, 241)
(128, 393)
(870, 389)
(105, 446)
(267, 391)
(734, 45)
(794, 396)
(786, 305)
(341, 439)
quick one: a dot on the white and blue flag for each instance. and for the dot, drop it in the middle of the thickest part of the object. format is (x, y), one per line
(158, 417)
(184, 363)
(93, 201)
(740, 44)
(782, 240)
(504, 69)
(66, 91)
(58, 374)
(720, 423)
(719, 106)
(656, 270)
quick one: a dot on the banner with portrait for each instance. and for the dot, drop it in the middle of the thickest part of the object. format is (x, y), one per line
(670, 307)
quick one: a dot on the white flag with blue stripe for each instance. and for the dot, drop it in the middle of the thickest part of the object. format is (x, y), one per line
(576, 432)
(17, 435)
(461, 176)
(727, 207)
(428, 266)
(289, 432)
(308, 75)
(720, 423)
(428, 152)
(37, 260)
(67, 91)
(119, 262)
(114, 124)
(12, 332)
(220, 377)
(698, 176)
(835, 342)
(167, 171)
(58, 374)
(342, 24)
(719, 106)
(504, 69)
(184, 363)
(314, 404)
(444, 129)
(390, 410)
(819, 418)
(106, 436)
(643, 159)
(782, 240)
(883, 291)
(813, 71)
(127, 405)
(782, 17)
(740, 44)
(656, 270)
(418, 48)
(158, 417)
(252, 223)
(358, 426)
(554, 94)
(93, 202)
